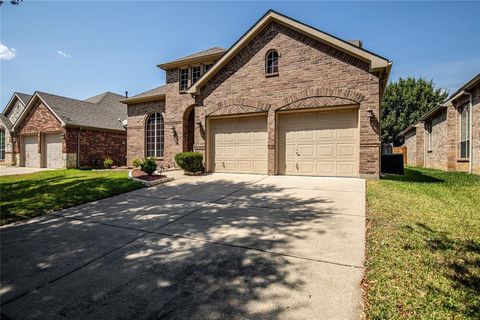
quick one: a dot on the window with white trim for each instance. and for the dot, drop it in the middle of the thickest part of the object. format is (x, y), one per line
(155, 135)
(196, 73)
(271, 63)
(2, 144)
(183, 79)
(464, 133)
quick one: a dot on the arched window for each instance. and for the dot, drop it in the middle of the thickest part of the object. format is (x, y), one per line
(154, 133)
(271, 62)
(2, 144)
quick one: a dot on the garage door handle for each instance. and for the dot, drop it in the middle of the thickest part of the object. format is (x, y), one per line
(223, 164)
(298, 154)
(296, 165)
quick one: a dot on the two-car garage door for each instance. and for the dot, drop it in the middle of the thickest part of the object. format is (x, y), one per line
(51, 151)
(313, 143)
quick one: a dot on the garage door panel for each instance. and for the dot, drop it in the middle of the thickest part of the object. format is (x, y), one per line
(327, 146)
(326, 150)
(243, 142)
(325, 168)
(30, 151)
(346, 169)
(306, 150)
(53, 157)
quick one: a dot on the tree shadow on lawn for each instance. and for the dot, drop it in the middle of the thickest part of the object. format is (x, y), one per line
(461, 264)
(179, 277)
(412, 175)
(30, 198)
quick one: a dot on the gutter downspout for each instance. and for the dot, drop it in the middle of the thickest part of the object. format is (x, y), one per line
(470, 129)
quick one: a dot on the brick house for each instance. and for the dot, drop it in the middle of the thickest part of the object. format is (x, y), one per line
(46, 130)
(286, 98)
(448, 136)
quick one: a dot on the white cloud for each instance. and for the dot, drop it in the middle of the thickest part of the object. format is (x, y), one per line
(60, 52)
(6, 53)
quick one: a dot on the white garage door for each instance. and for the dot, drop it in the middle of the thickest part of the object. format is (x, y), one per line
(53, 151)
(239, 145)
(320, 143)
(31, 157)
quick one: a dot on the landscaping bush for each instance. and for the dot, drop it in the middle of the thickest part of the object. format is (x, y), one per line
(107, 163)
(137, 162)
(149, 166)
(190, 161)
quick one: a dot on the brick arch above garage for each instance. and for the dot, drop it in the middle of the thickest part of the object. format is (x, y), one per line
(319, 97)
(236, 106)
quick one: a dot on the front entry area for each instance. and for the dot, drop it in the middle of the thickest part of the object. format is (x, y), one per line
(318, 143)
(238, 145)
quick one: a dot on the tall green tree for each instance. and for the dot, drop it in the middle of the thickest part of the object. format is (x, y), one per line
(404, 102)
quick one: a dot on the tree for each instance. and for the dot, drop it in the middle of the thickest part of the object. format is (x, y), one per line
(404, 102)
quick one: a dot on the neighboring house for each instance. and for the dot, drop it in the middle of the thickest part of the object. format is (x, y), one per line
(46, 130)
(286, 98)
(448, 136)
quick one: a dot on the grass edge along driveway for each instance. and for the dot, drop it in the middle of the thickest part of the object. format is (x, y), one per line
(423, 246)
(30, 195)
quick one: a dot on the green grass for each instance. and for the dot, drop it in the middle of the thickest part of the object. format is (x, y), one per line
(29, 195)
(423, 246)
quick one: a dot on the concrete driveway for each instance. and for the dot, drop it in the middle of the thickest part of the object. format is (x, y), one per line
(9, 171)
(208, 247)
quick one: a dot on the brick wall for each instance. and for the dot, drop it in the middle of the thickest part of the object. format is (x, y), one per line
(476, 129)
(436, 156)
(411, 144)
(98, 145)
(304, 64)
(420, 144)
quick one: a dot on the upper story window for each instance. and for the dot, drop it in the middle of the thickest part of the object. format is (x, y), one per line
(2, 144)
(465, 133)
(207, 67)
(271, 63)
(428, 127)
(155, 135)
(196, 73)
(183, 79)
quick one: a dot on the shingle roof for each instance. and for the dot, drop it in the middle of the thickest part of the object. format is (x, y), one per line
(8, 124)
(155, 92)
(24, 97)
(215, 51)
(102, 115)
(202, 53)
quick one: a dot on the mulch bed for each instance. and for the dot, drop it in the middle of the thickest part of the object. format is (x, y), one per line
(139, 174)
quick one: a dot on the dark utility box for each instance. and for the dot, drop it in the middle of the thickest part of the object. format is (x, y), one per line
(392, 163)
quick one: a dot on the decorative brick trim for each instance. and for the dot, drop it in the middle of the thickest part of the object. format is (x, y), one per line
(315, 97)
(236, 106)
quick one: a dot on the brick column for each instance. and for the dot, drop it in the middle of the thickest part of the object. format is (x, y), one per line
(271, 129)
(420, 145)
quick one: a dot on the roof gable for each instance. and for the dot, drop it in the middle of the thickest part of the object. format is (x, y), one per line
(71, 112)
(17, 96)
(376, 62)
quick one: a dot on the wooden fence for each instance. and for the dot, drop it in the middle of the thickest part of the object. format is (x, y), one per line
(402, 150)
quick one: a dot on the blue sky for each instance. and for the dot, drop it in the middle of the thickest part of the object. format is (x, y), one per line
(79, 49)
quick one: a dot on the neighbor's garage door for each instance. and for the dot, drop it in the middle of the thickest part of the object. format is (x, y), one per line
(53, 151)
(30, 151)
(239, 145)
(319, 143)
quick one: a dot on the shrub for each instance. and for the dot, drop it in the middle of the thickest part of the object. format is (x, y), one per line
(190, 161)
(149, 166)
(137, 162)
(107, 163)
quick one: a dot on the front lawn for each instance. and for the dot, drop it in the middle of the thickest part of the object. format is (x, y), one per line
(423, 246)
(29, 195)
